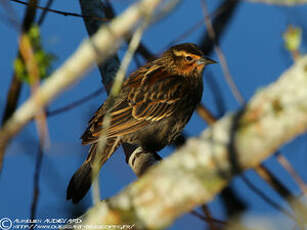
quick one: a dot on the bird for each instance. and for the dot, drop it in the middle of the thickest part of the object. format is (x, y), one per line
(152, 108)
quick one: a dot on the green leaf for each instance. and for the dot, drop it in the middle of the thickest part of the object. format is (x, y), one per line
(42, 57)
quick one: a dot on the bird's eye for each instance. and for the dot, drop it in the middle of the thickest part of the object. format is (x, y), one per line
(188, 58)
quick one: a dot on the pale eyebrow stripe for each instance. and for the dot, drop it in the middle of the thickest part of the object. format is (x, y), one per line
(184, 53)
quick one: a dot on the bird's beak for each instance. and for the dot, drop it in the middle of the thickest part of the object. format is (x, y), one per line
(205, 60)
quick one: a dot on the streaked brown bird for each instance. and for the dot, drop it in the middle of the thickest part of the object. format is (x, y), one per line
(152, 108)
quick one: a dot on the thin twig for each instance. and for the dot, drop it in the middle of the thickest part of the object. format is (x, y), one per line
(280, 2)
(273, 181)
(210, 221)
(207, 219)
(221, 19)
(74, 104)
(44, 13)
(286, 165)
(16, 84)
(273, 204)
(275, 184)
(221, 56)
(37, 173)
(185, 34)
(134, 43)
(197, 25)
(205, 114)
(64, 13)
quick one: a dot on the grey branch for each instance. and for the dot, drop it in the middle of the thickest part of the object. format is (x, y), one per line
(100, 47)
(195, 173)
(281, 2)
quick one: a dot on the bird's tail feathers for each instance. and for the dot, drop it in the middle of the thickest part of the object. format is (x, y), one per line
(80, 183)
(82, 179)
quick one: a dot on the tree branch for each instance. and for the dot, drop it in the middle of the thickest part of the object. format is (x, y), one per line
(229, 79)
(195, 173)
(64, 13)
(16, 84)
(221, 19)
(281, 2)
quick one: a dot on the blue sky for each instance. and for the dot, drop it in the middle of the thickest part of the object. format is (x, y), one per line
(253, 46)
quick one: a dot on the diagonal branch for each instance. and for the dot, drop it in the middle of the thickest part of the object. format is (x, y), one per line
(266, 175)
(221, 19)
(45, 12)
(234, 89)
(16, 84)
(64, 13)
(74, 104)
(281, 2)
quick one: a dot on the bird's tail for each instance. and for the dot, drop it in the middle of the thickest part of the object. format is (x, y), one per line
(82, 180)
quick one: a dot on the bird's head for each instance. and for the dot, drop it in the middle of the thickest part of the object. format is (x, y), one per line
(187, 59)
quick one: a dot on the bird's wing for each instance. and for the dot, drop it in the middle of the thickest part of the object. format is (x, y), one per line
(148, 95)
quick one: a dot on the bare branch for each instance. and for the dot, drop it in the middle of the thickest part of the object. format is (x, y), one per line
(45, 12)
(235, 91)
(286, 164)
(207, 219)
(64, 13)
(74, 104)
(195, 173)
(205, 114)
(16, 84)
(263, 196)
(221, 19)
(281, 2)
(37, 173)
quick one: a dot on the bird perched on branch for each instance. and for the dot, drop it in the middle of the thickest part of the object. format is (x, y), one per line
(152, 108)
